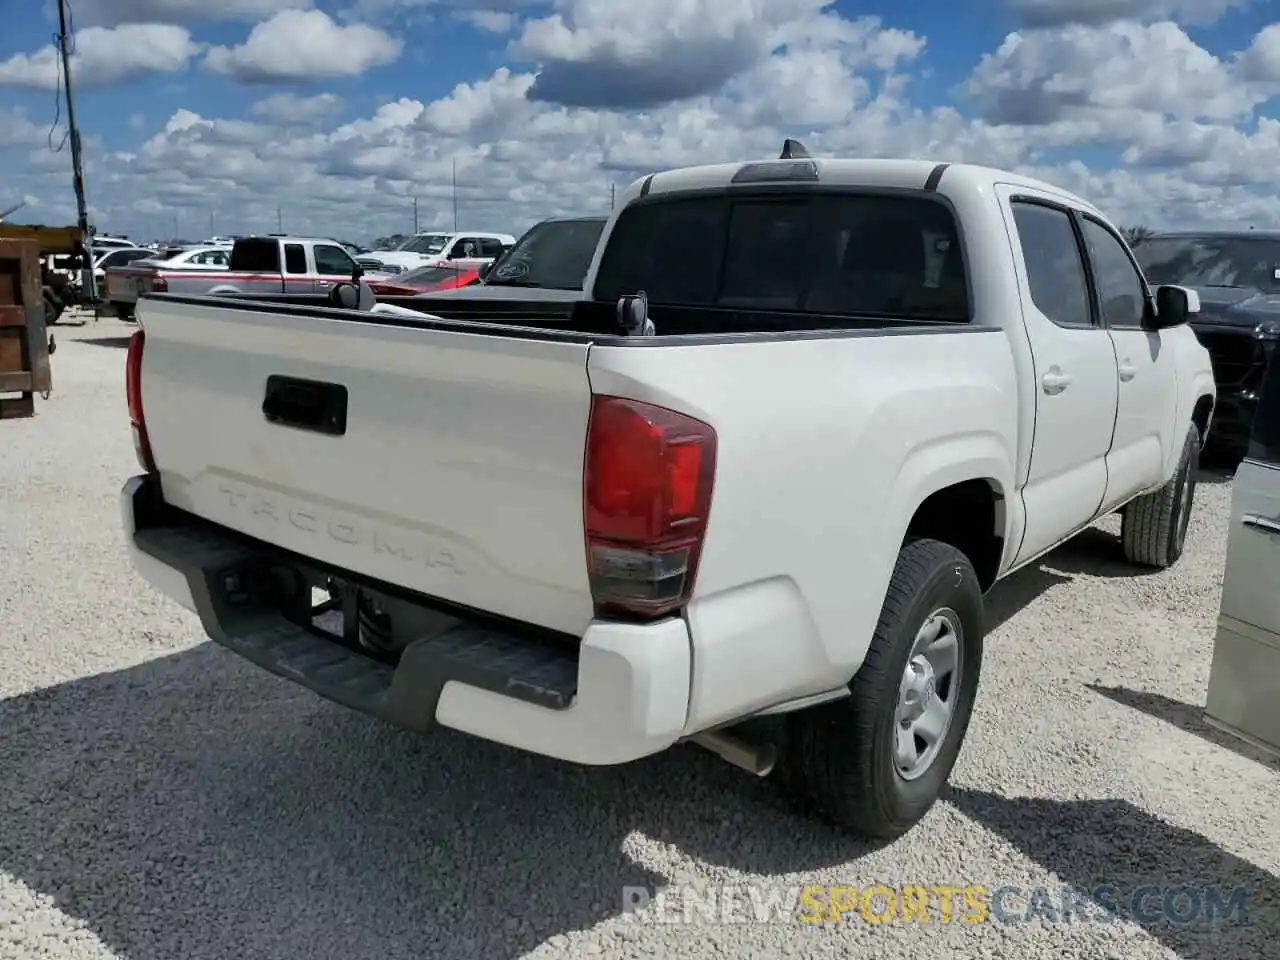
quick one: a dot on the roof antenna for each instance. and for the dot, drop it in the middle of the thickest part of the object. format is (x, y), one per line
(794, 150)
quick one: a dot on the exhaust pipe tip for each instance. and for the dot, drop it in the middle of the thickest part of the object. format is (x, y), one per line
(757, 759)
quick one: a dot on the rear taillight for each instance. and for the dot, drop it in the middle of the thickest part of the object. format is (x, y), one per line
(647, 494)
(159, 285)
(133, 392)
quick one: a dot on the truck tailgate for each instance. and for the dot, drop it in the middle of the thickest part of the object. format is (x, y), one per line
(458, 473)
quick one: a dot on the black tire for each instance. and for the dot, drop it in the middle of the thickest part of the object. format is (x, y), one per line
(53, 307)
(838, 758)
(125, 312)
(1153, 528)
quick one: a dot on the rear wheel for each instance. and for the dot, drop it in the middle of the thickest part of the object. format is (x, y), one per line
(875, 763)
(1153, 528)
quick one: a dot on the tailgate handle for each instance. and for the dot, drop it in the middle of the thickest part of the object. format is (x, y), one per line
(306, 405)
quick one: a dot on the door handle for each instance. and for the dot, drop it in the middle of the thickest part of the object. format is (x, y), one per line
(1055, 381)
(1127, 370)
(324, 283)
(1265, 524)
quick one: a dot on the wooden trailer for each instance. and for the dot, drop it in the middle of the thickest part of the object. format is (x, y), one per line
(24, 341)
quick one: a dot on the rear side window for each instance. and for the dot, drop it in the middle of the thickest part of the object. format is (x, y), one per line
(295, 258)
(1055, 270)
(255, 256)
(849, 254)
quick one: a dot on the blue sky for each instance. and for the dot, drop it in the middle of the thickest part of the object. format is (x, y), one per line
(1163, 111)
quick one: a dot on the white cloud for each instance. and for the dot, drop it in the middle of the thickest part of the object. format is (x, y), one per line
(114, 12)
(679, 82)
(105, 55)
(491, 21)
(304, 45)
(19, 132)
(293, 110)
(1040, 76)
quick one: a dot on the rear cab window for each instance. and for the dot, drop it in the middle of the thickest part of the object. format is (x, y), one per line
(893, 256)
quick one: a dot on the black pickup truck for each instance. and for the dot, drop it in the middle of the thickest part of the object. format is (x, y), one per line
(1237, 275)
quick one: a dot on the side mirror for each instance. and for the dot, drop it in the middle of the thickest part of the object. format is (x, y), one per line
(356, 273)
(1174, 306)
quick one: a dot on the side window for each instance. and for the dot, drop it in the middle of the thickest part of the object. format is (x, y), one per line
(491, 248)
(1120, 286)
(1055, 271)
(465, 248)
(1264, 444)
(112, 260)
(333, 261)
(295, 258)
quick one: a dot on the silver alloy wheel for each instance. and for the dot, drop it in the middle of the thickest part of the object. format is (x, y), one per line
(928, 694)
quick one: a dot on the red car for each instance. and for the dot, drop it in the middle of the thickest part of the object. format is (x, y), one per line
(429, 279)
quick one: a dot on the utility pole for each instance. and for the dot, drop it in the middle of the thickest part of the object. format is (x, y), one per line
(279, 220)
(613, 194)
(455, 194)
(77, 161)
(176, 235)
(415, 216)
(211, 233)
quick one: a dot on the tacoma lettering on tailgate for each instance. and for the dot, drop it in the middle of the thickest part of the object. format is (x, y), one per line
(317, 522)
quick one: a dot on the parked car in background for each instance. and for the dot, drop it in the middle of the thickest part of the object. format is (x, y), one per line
(102, 243)
(123, 283)
(549, 262)
(116, 258)
(469, 248)
(1237, 275)
(1244, 679)
(430, 279)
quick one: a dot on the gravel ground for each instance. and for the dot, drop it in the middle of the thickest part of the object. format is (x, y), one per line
(162, 799)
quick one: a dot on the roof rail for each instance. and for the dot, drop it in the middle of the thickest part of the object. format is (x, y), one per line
(793, 150)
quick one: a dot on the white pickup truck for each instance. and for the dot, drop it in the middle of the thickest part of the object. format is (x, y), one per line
(860, 392)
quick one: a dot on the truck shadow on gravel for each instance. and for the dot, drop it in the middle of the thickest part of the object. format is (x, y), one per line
(195, 807)
(1185, 717)
(1118, 856)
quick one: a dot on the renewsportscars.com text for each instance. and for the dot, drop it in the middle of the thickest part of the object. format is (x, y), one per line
(937, 903)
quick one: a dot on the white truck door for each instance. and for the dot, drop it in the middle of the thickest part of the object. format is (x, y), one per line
(1146, 432)
(1244, 681)
(1075, 371)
